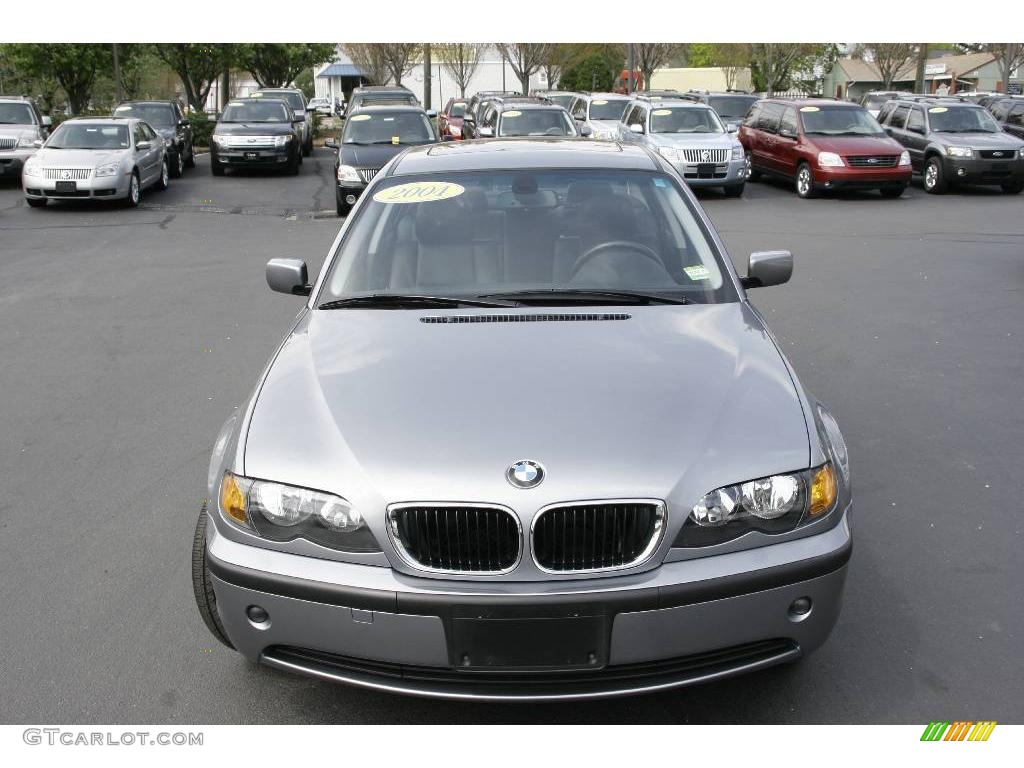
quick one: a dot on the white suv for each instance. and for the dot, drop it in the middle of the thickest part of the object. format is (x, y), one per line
(22, 133)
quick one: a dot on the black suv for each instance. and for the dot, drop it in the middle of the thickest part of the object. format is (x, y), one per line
(954, 142)
(261, 133)
(731, 106)
(1009, 113)
(167, 119)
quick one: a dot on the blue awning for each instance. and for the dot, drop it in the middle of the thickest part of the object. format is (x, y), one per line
(341, 70)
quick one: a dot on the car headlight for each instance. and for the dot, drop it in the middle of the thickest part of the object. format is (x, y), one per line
(959, 151)
(738, 153)
(455, 130)
(829, 160)
(669, 153)
(32, 167)
(281, 512)
(775, 504)
(220, 138)
(280, 141)
(348, 173)
(904, 158)
(110, 169)
(28, 141)
(168, 143)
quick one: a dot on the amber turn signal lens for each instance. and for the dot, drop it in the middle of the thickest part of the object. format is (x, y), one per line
(823, 490)
(232, 500)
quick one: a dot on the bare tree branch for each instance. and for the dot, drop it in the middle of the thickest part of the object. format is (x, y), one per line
(652, 56)
(526, 59)
(890, 59)
(460, 61)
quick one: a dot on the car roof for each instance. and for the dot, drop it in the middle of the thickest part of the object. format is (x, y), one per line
(606, 95)
(514, 153)
(532, 106)
(103, 120)
(161, 102)
(388, 109)
(379, 88)
(813, 103)
(672, 104)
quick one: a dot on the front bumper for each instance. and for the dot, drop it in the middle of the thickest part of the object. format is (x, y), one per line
(347, 188)
(253, 157)
(714, 175)
(976, 170)
(860, 178)
(104, 187)
(13, 160)
(683, 623)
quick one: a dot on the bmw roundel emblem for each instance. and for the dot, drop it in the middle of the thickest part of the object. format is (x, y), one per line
(525, 474)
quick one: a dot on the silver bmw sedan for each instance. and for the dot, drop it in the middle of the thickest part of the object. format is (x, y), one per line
(527, 439)
(96, 158)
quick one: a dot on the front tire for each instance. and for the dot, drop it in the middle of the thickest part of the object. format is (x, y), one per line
(307, 149)
(734, 190)
(134, 191)
(216, 167)
(805, 182)
(292, 169)
(190, 159)
(178, 164)
(165, 174)
(752, 174)
(206, 599)
(934, 179)
(36, 202)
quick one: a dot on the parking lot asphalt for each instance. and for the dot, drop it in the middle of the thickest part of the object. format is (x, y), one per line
(128, 336)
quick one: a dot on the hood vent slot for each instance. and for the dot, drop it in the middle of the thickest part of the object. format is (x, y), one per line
(560, 317)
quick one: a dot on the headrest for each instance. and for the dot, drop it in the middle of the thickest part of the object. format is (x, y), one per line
(441, 222)
(544, 198)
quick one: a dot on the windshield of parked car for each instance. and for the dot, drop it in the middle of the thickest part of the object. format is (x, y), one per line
(388, 128)
(474, 233)
(962, 120)
(876, 100)
(607, 109)
(732, 108)
(685, 120)
(536, 122)
(14, 113)
(160, 115)
(269, 111)
(458, 109)
(292, 98)
(561, 99)
(89, 136)
(394, 99)
(839, 121)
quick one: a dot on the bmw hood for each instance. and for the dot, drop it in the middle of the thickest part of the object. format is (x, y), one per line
(385, 406)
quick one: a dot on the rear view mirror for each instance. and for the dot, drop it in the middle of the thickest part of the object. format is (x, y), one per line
(144, 145)
(288, 276)
(732, 128)
(485, 132)
(766, 268)
(47, 122)
(331, 143)
(636, 128)
(431, 113)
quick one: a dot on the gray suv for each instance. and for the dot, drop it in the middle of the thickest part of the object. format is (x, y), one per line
(22, 133)
(955, 142)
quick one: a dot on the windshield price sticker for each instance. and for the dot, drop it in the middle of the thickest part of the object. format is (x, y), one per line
(396, 139)
(359, 118)
(809, 109)
(699, 272)
(513, 113)
(599, 102)
(661, 112)
(935, 110)
(419, 192)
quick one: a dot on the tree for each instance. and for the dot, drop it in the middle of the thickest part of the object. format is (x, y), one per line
(731, 58)
(561, 56)
(275, 65)
(400, 58)
(775, 66)
(75, 66)
(368, 57)
(890, 59)
(198, 65)
(460, 61)
(597, 70)
(652, 56)
(526, 60)
(1010, 56)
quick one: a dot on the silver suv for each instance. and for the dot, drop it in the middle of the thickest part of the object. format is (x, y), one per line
(22, 133)
(691, 137)
(600, 111)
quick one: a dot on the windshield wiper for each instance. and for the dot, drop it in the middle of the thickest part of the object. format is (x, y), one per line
(587, 296)
(401, 300)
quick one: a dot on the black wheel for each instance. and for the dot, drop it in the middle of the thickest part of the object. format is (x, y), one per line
(1013, 187)
(165, 174)
(177, 164)
(293, 163)
(735, 190)
(134, 191)
(934, 179)
(206, 600)
(893, 191)
(190, 158)
(307, 149)
(36, 202)
(805, 182)
(216, 167)
(752, 174)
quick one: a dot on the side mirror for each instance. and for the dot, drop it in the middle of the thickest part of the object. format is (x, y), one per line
(766, 268)
(431, 113)
(144, 145)
(37, 143)
(47, 122)
(586, 130)
(732, 128)
(485, 132)
(788, 135)
(331, 143)
(288, 276)
(636, 128)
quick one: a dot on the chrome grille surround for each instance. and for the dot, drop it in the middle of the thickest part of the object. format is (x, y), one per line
(477, 511)
(657, 530)
(694, 156)
(872, 161)
(367, 174)
(73, 174)
(249, 142)
(8, 142)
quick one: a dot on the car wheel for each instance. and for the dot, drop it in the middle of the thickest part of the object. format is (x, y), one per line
(165, 175)
(752, 174)
(190, 159)
(734, 190)
(216, 167)
(1013, 187)
(294, 162)
(934, 180)
(307, 149)
(36, 202)
(206, 600)
(804, 181)
(178, 164)
(893, 191)
(134, 191)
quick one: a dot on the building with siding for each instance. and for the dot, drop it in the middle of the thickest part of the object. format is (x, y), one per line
(852, 78)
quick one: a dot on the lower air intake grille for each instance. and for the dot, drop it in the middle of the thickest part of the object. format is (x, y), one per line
(456, 538)
(600, 536)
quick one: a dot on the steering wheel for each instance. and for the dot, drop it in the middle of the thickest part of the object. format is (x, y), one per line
(628, 245)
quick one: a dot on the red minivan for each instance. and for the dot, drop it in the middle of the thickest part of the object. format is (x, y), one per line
(449, 122)
(821, 144)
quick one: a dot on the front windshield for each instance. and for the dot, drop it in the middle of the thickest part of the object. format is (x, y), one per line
(293, 99)
(160, 115)
(89, 136)
(607, 109)
(388, 128)
(839, 121)
(473, 233)
(731, 107)
(562, 99)
(536, 122)
(685, 120)
(458, 109)
(13, 113)
(962, 120)
(255, 112)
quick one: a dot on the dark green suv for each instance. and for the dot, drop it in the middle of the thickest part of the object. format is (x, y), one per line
(952, 142)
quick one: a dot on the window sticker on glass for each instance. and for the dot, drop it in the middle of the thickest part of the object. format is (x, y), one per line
(699, 272)
(256, 94)
(660, 183)
(396, 139)
(359, 118)
(937, 110)
(513, 113)
(809, 109)
(419, 192)
(662, 112)
(599, 102)
(234, 104)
